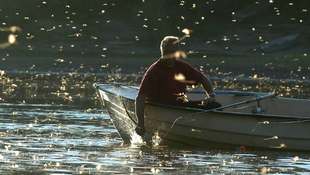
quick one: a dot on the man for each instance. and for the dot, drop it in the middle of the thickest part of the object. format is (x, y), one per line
(166, 82)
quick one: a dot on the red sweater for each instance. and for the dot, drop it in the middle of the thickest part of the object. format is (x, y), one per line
(160, 85)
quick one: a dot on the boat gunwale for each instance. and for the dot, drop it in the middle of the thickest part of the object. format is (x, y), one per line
(294, 118)
(200, 91)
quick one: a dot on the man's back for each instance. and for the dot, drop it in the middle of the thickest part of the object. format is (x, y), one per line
(161, 86)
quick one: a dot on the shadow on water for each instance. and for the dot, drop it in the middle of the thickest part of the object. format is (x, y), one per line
(54, 124)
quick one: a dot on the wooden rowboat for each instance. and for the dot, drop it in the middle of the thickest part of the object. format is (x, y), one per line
(251, 119)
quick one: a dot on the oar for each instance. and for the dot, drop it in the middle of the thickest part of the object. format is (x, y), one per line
(127, 113)
(223, 107)
(146, 136)
(232, 105)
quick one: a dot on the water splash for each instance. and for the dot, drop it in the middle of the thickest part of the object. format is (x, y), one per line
(136, 140)
(156, 140)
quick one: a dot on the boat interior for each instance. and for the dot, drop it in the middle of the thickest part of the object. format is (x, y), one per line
(250, 102)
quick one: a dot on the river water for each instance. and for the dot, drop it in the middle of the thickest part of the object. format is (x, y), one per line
(54, 124)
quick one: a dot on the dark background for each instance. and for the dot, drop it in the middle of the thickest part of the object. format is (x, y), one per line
(135, 27)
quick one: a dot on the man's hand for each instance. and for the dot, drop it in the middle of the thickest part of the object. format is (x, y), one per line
(206, 101)
(140, 130)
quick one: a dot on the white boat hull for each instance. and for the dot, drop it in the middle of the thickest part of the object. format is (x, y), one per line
(230, 128)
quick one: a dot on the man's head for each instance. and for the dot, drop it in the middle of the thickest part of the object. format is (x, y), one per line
(169, 45)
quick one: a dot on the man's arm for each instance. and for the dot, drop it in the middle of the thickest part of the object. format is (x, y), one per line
(207, 86)
(140, 104)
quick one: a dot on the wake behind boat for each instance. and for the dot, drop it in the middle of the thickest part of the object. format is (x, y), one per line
(251, 119)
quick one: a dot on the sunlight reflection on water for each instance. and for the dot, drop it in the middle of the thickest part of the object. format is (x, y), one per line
(58, 137)
(41, 132)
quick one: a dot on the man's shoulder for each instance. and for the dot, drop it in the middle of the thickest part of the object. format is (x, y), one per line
(182, 63)
(153, 68)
